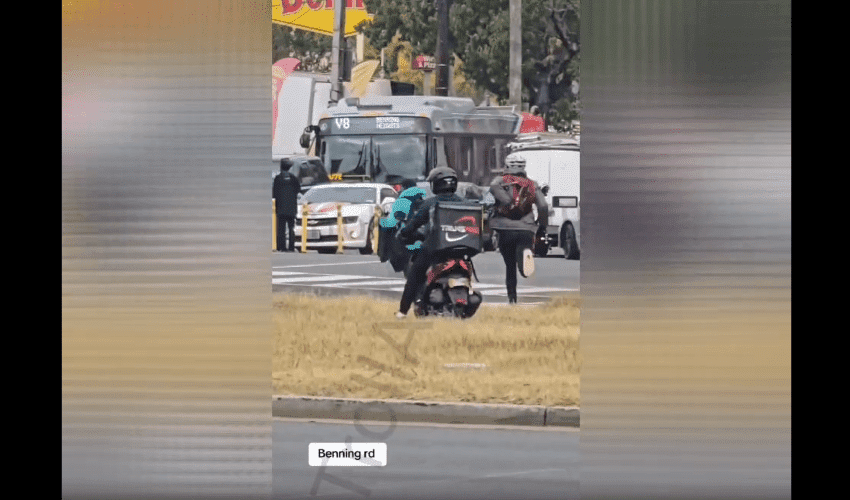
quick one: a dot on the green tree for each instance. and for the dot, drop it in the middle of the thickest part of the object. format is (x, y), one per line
(312, 49)
(414, 21)
(479, 36)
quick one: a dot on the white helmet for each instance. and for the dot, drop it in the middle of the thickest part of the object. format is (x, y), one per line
(514, 165)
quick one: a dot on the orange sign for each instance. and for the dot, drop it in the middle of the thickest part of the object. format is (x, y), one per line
(318, 15)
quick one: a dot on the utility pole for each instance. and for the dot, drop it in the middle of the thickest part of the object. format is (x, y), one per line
(442, 84)
(337, 57)
(515, 57)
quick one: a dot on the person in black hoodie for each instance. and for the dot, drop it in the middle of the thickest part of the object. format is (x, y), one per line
(285, 190)
(443, 184)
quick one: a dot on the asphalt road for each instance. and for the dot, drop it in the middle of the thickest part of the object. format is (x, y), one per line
(352, 273)
(432, 462)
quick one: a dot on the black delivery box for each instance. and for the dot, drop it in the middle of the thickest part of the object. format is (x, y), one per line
(454, 225)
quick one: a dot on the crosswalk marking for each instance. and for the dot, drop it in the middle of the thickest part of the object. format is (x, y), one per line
(320, 277)
(368, 283)
(383, 283)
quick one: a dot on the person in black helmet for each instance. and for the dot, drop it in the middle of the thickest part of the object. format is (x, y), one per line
(517, 231)
(443, 184)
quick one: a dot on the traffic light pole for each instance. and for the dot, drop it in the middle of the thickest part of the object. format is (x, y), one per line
(442, 84)
(515, 55)
(337, 56)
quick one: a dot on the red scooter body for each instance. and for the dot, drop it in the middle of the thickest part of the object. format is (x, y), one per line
(448, 290)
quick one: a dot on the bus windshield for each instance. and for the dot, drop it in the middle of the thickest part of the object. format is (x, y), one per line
(347, 154)
(384, 158)
(399, 155)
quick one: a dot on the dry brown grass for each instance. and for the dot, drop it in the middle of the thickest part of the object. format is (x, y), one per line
(353, 347)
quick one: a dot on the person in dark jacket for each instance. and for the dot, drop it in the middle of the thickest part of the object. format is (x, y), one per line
(285, 191)
(404, 208)
(443, 184)
(516, 235)
(407, 205)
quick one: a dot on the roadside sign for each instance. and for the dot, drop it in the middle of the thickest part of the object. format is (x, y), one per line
(318, 15)
(425, 63)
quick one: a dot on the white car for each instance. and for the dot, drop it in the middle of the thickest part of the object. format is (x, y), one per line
(360, 203)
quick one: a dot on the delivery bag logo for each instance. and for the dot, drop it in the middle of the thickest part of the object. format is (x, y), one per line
(471, 227)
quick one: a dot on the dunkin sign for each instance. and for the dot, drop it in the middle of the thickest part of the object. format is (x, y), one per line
(318, 15)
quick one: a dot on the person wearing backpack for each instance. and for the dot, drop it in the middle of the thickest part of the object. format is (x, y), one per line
(443, 182)
(513, 220)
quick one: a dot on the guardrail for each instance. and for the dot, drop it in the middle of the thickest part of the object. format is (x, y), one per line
(376, 229)
(304, 213)
(340, 248)
(339, 228)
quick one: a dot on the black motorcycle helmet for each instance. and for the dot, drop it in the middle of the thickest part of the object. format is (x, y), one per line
(443, 181)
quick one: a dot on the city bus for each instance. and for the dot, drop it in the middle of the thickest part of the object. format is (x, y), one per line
(392, 138)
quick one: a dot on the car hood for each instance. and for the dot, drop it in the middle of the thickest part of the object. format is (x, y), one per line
(328, 209)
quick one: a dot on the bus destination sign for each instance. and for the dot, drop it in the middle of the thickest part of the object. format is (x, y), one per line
(374, 125)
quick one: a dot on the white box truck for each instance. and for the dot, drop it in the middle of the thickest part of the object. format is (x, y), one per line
(301, 102)
(302, 99)
(553, 162)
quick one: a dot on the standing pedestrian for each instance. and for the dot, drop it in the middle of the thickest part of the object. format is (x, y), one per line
(285, 190)
(513, 220)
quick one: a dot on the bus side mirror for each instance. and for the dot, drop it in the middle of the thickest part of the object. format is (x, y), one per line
(544, 189)
(305, 137)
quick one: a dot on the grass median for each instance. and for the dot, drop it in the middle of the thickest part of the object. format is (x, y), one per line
(353, 347)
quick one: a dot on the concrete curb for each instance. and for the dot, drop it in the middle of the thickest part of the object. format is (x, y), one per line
(309, 407)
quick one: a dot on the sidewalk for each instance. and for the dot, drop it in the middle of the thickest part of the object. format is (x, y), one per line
(310, 407)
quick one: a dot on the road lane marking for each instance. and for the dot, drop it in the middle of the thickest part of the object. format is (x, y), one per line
(333, 264)
(505, 304)
(525, 472)
(282, 278)
(536, 290)
(322, 277)
(367, 283)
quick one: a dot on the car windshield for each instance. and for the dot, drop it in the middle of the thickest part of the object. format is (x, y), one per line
(342, 194)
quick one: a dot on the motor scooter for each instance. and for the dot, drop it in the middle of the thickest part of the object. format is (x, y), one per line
(448, 290)
(454, 237)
